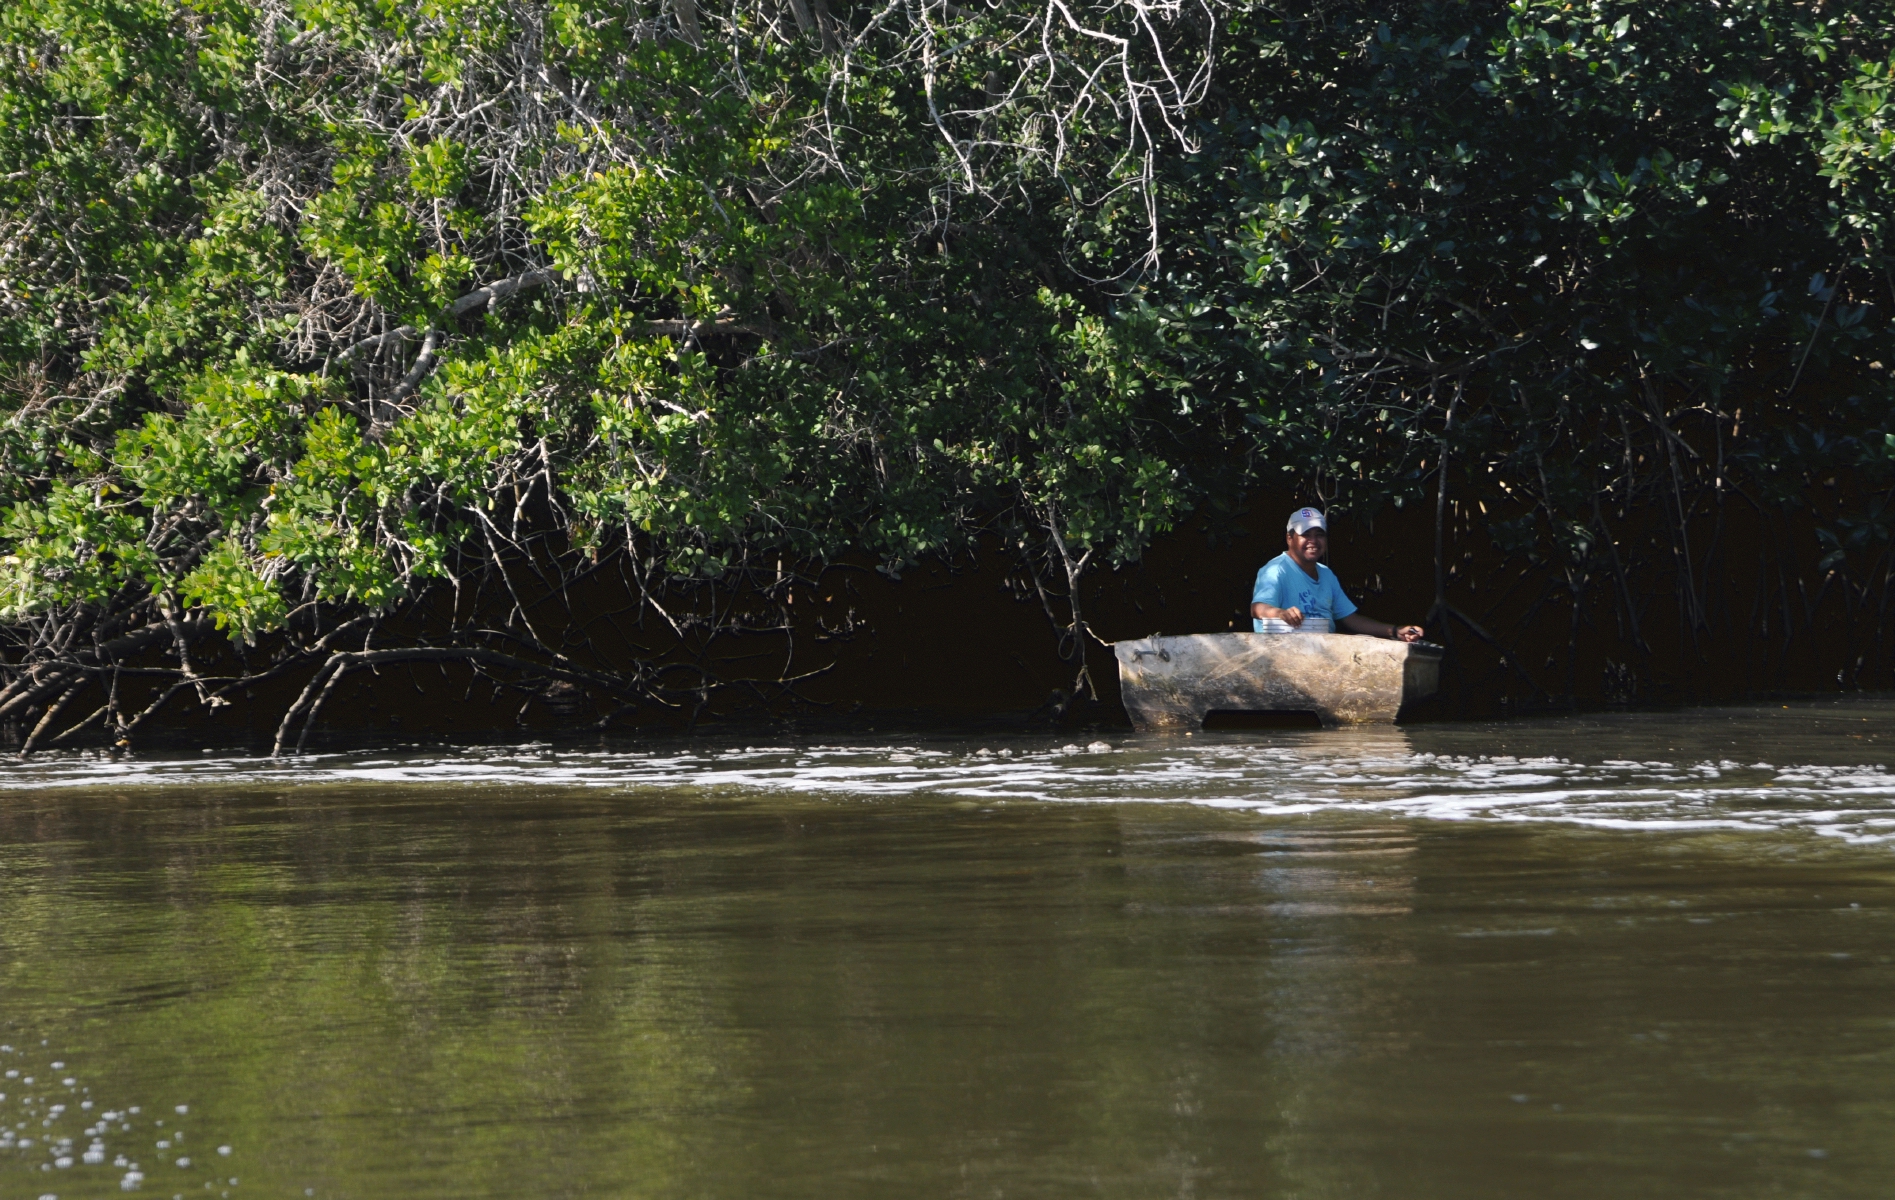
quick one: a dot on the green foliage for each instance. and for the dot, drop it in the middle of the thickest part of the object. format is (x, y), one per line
(760, 299)
(243, 240)
(1592, 254)
(227, 584)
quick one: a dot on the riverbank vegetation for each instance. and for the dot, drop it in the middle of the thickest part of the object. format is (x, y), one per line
(335, 335)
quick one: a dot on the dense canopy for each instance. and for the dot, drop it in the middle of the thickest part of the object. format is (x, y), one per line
(332, 321)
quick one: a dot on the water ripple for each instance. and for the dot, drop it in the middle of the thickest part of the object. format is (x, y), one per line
(1379, 771)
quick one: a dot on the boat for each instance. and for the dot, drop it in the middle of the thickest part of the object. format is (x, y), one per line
(1345, 679)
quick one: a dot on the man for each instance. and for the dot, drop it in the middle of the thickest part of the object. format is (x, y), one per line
(1296, 593)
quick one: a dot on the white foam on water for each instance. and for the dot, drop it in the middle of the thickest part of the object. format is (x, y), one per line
(57, 1150)
(1373, 773)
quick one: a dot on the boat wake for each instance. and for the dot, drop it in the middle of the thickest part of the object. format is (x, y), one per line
(1383, 771)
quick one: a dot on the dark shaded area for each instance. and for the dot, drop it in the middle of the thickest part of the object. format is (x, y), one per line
(964, 644)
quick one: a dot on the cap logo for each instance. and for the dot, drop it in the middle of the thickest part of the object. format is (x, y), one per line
(1305, 519)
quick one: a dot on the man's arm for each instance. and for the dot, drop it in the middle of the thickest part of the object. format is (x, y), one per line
(1269, 585)
(1270, 612)
(1374, 628)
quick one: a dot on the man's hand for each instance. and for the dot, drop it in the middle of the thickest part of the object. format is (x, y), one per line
(1293, 617)
(1408, 633)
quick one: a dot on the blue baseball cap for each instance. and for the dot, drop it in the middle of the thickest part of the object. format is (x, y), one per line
(1305, 519)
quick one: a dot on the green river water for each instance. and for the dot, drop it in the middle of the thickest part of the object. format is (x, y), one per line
(1614, 956)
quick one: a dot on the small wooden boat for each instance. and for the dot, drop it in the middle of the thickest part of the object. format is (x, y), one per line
(1173, 682)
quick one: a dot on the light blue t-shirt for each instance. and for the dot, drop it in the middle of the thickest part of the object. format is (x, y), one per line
(1283, 584)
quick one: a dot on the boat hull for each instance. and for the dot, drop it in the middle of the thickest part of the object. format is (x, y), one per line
(1173, 682)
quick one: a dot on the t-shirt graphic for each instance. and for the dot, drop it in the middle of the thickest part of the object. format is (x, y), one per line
(1283, 584)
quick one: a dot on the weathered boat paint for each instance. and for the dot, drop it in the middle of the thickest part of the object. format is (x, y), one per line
(1173, 682)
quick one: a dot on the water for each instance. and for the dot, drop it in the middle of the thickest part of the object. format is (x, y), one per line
(1636, 955)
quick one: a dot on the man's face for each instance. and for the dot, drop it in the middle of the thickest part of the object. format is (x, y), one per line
(1308, 548)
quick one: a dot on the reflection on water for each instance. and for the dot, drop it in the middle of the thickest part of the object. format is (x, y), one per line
(1630, 955)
